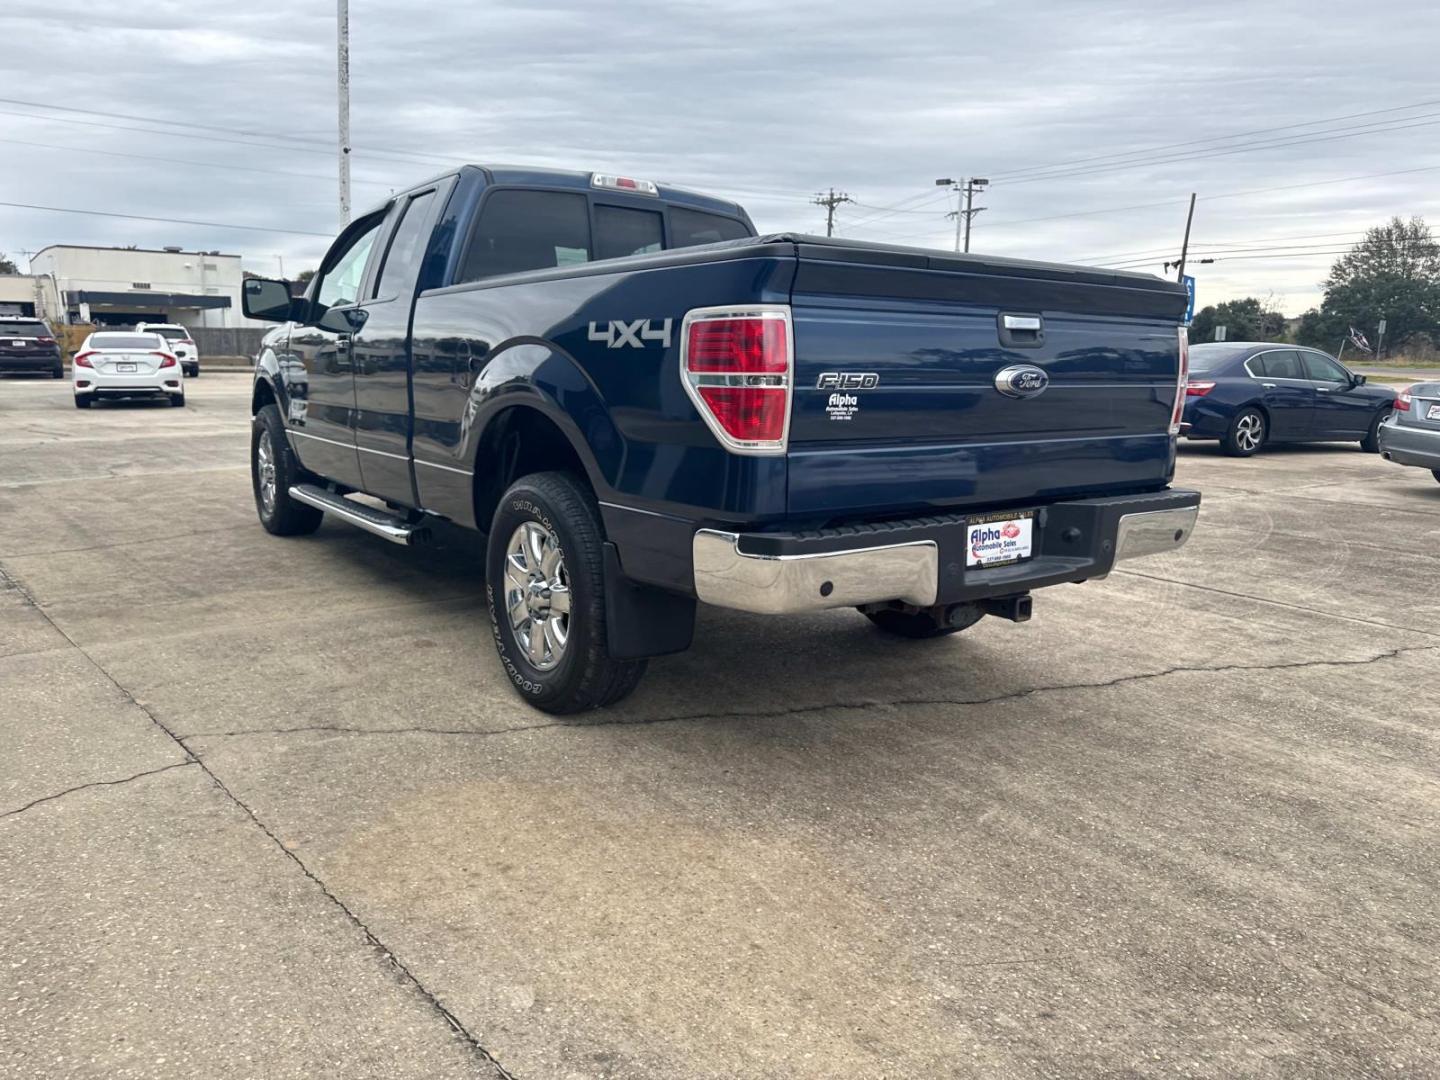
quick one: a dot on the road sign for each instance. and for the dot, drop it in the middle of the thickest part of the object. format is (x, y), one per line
(1220, 333)
(1190, 303)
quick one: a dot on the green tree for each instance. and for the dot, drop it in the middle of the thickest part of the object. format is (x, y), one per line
(303, 279)
(1393, 274)
(1249, 319)
(1321, 330)
(7, 264)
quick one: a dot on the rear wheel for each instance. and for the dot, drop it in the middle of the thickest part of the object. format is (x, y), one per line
(1246, 433)
(1371, 442)
(919, 625)
(177, 401)
(546, 590)
(273, 469)
(58, 373)
(82, 401)
(1435, 473)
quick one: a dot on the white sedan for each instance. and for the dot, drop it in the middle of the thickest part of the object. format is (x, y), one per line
(115, 364)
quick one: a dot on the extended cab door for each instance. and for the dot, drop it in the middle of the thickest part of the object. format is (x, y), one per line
(380, 350)
(322, 423)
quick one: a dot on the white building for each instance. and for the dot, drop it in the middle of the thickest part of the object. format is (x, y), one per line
(123, 286)
(26, 294)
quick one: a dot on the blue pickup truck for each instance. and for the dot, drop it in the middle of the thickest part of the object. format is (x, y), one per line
(643, 404)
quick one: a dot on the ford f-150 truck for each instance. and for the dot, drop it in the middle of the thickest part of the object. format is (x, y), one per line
(643, 405)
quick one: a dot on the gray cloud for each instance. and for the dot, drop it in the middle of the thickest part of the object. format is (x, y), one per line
(766, 102)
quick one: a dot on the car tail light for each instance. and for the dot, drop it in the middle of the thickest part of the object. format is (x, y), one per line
(1182, 379)
(1198, 389)
(736, 364)
(166, 360)
(45, 340)
(1403, 399)
(83, 359)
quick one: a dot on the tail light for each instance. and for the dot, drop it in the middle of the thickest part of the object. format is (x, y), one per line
(737, 365)
(1182, 379)
(166, 360)
(45, 340)
(83, 359)
(1198, 388)
(1403, 399)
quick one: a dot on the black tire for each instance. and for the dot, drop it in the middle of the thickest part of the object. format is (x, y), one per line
(58, 373)
(177, 401)
(1246, 434)
(82, 401)
(1371, 442)
(284, 516)
(583, 675)
(1435, 473)
(922, 624)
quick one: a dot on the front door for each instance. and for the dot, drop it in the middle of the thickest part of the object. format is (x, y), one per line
(381, 351)
(1342, 410)
(1289, 398)
(323, 423)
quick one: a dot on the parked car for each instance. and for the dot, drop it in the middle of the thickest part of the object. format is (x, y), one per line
(1411, 434)
(28, 347)
(123, 363)
(773, 424)
(181, 344)
(1251, 394)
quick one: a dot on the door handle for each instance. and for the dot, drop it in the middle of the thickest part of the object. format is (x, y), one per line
(1324, 389)
(1268, 385)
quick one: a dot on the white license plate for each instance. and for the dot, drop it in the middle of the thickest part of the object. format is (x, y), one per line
(125, 369)
(1434, 413)
(18, 344)
(999, 539)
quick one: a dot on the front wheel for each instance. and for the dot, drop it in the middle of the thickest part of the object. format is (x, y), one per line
(546, 590)
(1246, 433)
(273, 469)
(1371, 442)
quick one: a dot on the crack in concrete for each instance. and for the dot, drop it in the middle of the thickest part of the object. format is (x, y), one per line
(94, 784)
(384, 951)
(798, 710)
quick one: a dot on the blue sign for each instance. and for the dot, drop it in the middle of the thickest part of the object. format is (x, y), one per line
(1189, 304)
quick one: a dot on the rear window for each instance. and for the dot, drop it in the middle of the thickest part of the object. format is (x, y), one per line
(124, 341)
(24, 329)
(620, 232)
(1208, 357)
(527, 230)
(169, 334)
(691, 227)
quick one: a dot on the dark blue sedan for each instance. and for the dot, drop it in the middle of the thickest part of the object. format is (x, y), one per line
(1251, 394)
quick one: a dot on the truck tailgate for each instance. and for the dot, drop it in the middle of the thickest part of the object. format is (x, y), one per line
(896, 402)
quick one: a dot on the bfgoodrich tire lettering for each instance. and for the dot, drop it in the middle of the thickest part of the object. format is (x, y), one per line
(585, 676)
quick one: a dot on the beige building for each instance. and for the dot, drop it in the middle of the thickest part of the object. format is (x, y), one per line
(27, 294)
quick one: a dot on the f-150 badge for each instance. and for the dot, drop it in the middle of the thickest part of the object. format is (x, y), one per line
(618, 333)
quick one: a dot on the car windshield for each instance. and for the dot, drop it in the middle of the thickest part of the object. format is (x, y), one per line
(1210, 356)
(124, 341)
(24, 329)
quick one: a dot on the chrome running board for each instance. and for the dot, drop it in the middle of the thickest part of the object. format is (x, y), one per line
(386, 526)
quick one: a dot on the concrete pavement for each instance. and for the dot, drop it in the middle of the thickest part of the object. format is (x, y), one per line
(274, 811)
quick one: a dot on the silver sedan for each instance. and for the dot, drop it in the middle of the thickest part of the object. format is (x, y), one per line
(1411, 434)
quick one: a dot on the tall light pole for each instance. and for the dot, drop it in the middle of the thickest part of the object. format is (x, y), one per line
(966, 213)
(342, 66)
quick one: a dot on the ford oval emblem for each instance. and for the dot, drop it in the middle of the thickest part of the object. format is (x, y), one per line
(1021, 381)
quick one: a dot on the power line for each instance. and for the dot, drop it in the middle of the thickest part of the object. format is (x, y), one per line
(166, 220)
(1211, 139)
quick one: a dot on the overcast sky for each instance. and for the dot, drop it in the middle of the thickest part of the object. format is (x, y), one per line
(766, 102)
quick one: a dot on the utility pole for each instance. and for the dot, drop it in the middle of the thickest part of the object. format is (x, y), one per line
(342, 66)
(1185, 245)
(830, 202)
(967, 213)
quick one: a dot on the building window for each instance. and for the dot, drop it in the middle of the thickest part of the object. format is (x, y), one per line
(140, 284)
(211, 266)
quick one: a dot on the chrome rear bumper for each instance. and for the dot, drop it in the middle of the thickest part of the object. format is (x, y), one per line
(777, 582)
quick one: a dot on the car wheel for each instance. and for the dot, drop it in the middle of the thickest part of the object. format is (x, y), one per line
(1435, 473)
(1246, 433)
(546, 589)
(177, 401)
(58, 373)
(82, 401)
(919, 625)
(1371, 442)
(273, 468)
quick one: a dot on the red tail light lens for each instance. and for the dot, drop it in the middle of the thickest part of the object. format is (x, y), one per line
(45, 340)
(1198, 389)
(83, 359)
(166, 360)
(1403, 399)
(1182, 379)
(736, 365)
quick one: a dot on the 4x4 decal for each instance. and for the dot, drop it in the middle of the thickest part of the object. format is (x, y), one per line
(618, 333)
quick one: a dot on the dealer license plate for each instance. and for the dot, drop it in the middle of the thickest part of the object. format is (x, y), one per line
(18, 344)
(1434, 413)
(124, 368)
(999, 539)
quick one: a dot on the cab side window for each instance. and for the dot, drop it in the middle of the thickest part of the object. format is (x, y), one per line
(1281, 364)
(527, 230)
(341, 284)
(1322, 369)
(407, 244)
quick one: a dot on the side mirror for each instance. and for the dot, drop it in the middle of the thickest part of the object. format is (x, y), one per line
(343, 320)
(269, 300)
(1359, 380)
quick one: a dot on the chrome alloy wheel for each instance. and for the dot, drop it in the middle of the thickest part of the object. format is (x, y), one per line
(537, 594)
(265, 471)
(1249, 431)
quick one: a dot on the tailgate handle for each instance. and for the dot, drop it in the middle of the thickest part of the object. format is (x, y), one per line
(1021, 331)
